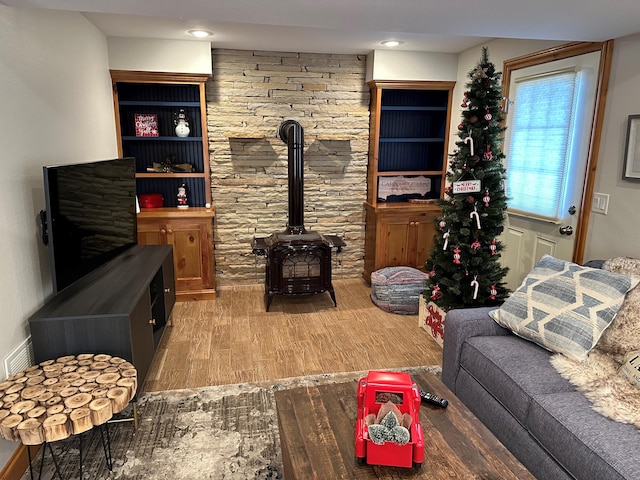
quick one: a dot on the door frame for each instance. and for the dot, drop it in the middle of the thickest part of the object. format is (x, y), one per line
(558, 53)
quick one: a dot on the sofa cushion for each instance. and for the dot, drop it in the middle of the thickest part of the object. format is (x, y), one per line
(587, 444)
(508, 430)
(564, 307)
(505, 366)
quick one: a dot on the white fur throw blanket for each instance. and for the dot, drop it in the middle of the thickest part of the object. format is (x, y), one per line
(597, 378)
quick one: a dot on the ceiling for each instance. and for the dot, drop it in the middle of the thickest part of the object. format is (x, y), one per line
(356, 26)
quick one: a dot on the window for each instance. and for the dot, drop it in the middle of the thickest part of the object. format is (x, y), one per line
(541, 143)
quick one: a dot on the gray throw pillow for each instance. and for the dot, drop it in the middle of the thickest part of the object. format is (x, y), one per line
(564, 307)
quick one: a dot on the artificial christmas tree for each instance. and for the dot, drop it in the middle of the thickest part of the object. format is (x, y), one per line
(464, 268)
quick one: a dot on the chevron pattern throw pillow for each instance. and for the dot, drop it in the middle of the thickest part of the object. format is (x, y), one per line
(564, 307)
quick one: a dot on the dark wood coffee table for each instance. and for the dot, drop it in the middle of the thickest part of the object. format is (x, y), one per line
(317, 428)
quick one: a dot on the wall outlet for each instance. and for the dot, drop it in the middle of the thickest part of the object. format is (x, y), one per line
(600, 203)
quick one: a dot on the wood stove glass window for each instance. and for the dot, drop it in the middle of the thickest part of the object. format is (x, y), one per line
(301, 265)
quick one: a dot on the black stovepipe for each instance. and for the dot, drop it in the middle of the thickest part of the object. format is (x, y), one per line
(292, 134)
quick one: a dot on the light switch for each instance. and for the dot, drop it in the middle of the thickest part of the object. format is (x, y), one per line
(600, 203)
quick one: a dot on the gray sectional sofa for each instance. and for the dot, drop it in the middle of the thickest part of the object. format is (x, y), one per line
(509, 384)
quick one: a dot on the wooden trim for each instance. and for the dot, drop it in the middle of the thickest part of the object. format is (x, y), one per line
(174, 212)
(604, 72)
(412, 85)
(116, 110)
(18, 463)
(447, 138)
(558, 53)
(549, 55)
(374, 129)
(136, 76)
(204, 128)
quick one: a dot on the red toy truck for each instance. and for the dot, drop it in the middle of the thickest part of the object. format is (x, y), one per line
(374, 390)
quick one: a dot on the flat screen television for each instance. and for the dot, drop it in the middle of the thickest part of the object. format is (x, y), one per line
(90, 216)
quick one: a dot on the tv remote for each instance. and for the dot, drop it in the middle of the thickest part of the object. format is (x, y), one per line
(433, 399)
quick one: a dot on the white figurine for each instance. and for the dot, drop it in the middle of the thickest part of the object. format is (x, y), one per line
(182, 196)
(182, 123)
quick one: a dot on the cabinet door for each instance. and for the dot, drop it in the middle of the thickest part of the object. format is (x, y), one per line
(422, 231)
(151, 233)
(407, 240)
(394, 247)
(141, 334)
(193, 265)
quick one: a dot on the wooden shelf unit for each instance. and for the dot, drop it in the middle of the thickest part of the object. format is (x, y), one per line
(163, 94)
(409, 132)
(189, 231)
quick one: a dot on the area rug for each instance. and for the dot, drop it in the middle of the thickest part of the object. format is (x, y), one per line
(222, 432)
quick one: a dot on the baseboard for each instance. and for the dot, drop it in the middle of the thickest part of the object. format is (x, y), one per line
(195, 295)
(18, 463)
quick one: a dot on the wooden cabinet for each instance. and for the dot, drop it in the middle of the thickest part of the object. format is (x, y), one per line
(408, 149)
(190, 231)
(119, 309)
(398, 236)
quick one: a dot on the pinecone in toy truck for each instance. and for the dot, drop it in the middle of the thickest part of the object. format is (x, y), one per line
(388, 430)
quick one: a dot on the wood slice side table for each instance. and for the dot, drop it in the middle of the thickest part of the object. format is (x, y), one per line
(68, 396)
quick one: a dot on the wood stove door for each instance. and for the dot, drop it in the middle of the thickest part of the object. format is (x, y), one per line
(299, 270)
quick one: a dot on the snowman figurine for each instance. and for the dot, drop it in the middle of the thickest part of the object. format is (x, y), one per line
(181, 122)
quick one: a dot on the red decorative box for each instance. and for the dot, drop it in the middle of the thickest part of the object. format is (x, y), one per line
(151, 200)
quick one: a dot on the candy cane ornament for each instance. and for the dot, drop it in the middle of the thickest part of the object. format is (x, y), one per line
(469, 140)
(477, 217)
(475, 285)
(445, 235)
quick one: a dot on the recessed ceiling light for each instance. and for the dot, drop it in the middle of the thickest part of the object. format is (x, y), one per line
(391, 43)
(200, 33)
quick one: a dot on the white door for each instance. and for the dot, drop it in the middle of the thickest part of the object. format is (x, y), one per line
(549, 127)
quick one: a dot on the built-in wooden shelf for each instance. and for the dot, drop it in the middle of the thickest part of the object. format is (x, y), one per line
(131, 138)
(168, 175)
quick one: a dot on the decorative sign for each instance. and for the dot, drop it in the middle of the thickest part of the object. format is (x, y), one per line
(467, 186)
(388, 186)
(146, 124)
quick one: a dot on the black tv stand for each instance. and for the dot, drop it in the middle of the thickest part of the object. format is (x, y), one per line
(120, 309)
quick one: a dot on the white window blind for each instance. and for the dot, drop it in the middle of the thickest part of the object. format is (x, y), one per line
(539, 149)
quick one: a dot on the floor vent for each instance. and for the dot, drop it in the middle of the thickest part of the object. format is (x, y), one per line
(21, 358)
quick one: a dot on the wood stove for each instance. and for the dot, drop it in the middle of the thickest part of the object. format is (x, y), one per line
(298, 262)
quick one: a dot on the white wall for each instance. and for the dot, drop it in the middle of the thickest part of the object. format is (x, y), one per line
(616, 234)
(154, 55)
(411, 66)
(57, 107)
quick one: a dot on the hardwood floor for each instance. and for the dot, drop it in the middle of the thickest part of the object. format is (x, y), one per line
(233, 340)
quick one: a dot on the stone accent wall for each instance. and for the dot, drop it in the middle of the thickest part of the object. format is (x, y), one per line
(249, 95)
